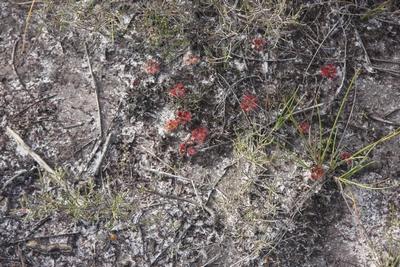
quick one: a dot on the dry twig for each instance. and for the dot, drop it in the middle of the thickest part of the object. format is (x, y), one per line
(29, 151)
(97, 92)
(99, 161)
(14, 65)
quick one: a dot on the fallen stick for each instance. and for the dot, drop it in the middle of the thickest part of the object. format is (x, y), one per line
(99, 160)
(29, 151)
(14, 65)
(97, 92)
(9, 181)
(181, 178)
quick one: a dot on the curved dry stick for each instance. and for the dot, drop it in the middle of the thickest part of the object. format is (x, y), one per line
(97, 92)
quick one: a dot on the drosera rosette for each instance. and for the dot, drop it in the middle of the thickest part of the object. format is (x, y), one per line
(152, 67)
(177, 91)
(248, 102)
(304, 127)
(346, 157)
(182, 117)
(199, 135)
(171, 125)
(190, 59)
(190, 146)
(317, 172)
(258, 43)
(328, 71)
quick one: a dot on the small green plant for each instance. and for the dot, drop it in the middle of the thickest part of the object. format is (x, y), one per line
(378, 9)
(325, 152)
(79, 202)
(251, 144)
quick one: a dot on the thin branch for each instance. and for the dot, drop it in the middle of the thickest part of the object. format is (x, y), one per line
(181, 178)
(368, 65)
(344, 64)
(348, 120)
(29, 151)
(14, 65)
(9, 181)
(376, 118)
(319, 47)
(99, 161)
(97, 92)
(33, 104)
(171, 197)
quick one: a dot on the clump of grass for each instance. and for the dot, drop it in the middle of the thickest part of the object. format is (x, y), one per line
(376, 10)
(324, 151)
(252, 146)
(65, 16)
(244, 18)
(83, 202)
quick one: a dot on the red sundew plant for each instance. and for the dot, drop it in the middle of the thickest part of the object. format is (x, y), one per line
(317, 172)
(182, 148)
(184, 116)
(346, 156)
(304, 127)
(178, 91)
(258, 43)
(171, 125)
(199, 135)
(136, 82)
(329, 71)
(191, 151)
(190, 59)
(152, 67)
(248, 103)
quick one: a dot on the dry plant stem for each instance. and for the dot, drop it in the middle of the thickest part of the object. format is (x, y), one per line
(265, 60)
(29, 151)
(386, 60)
(158, 158)
(356, 217)
(348, 120)
(376, 118)
(171, 197)
(41, 237)
(33, 104)
(91, 156)
(320, 45)
(311, 108)
(27, 2)
(344, 64)
(28, 18)
(176, 240)
(180, 178)
(230, 87)
(368, 66)
(97, 92)
(144, 250)
(38, 225)
(13, 64)
(99, 161)
(392, 72)
(304, 110)
(9, 181)
(21, 257)
(83, 147)
(212, 260)
(389, 113)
